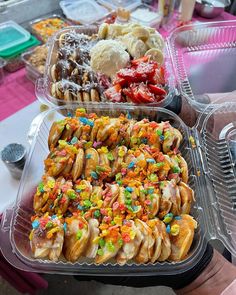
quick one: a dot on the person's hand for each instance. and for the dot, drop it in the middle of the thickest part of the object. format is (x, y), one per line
(216, 277)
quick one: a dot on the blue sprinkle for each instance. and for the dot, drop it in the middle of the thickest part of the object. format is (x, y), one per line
(94, 175)
(81, 208)
(135, 208)
(128, 115)
(131, 165)
(86, 121)
(150, 191)
(51, 206)
(168, 229)
(69, 115)
(178, 217)
(129, 189)
(35, 224)
(74, 140)
(162, 137)
(151, 161)
(90, 123)
(88, 156)
(144, 140)
(53, 217)
(78, 190)
(65, 227)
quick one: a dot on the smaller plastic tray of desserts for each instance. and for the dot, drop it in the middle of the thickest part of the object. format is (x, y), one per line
(123, 190)
(112, 63)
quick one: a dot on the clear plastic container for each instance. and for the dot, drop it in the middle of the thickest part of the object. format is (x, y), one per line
(40, 26)
(203, 58)
(43, 86)
(114, 4)
(212, 177)
(11, 34)
(18, 218)
(146, 15)
(36, 70)
(84, 12)
(13, 56)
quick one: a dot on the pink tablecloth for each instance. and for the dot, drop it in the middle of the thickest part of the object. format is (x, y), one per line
(15, 93)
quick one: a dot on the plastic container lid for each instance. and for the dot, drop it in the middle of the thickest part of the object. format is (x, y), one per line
(18, 49)
(146, 15)
(11, 34)
(127, 4)
(85, 12)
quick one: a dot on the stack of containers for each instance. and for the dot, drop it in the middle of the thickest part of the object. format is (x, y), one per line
(13, 41)
(208, 148)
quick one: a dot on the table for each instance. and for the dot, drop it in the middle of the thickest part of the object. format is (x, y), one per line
(18, 108)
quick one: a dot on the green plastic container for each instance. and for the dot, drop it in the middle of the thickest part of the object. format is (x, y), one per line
(13, 54)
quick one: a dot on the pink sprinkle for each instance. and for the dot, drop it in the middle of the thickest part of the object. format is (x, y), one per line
(147, 202)
(123, 171)
(64, 188)
(175, 151)
(113, 227)
(115, 206)
(107, 219)
(145, 120)
(108, 194)
(135, 127)
(96, 144)
(173, 175)
(103, 211)
(62, 153)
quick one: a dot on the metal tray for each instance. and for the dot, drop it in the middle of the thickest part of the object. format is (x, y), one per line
(203, 58)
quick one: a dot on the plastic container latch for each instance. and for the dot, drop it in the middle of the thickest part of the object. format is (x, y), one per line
(6, 219)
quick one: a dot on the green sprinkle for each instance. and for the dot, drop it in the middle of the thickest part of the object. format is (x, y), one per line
(166, 134)
(110, 157)
(153, 177)
(49, 224)
(113, 222)
(110, 246)
(101, 243)
(79, 234)
(144, 191)
(159, 132)
(176, 169)
(87, 203)
(127, 194)
(71, 195)
(128, 202)
(120, 242)
(159, 165)
(100, 169)
(100, 252)
(41, 187)
(97, 213)
(119, 182)
(118, 176)
(168, 218)
(59, 196)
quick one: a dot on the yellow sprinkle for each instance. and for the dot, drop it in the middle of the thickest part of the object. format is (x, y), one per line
(96, 240)
(81, 186)
(100, 203)
(198, 173)
(132, 234)
(62, 143)
(121, 151)
(51, 183)
(31, 235)
(174, 230)
(118, 220)
(103, 150)
(84, 195)
(152, 223)
(104, 233)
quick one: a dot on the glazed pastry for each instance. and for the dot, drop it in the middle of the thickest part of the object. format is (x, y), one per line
(109, 245)
(110, 194)
(91, 162)
(78, 165)
(133, 239)
(146, 249)
(187, 197)
(92, 246)
(172, 139)
(165, 245)
(47, 237)
(76, 237)
(182, 236)
(170, 199)
(55, 133)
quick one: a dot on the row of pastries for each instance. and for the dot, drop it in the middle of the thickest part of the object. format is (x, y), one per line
(113, 190)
